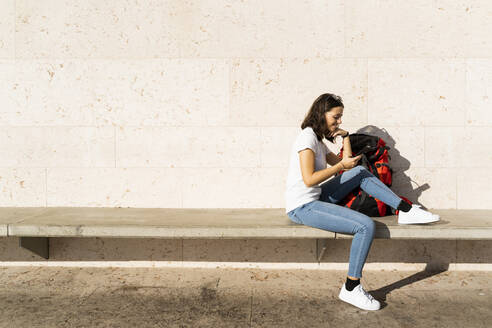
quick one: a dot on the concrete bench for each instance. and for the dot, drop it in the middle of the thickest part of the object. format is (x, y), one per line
(34, 225)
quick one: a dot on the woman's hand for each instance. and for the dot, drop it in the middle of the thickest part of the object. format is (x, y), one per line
(350, 162)
(337, 132)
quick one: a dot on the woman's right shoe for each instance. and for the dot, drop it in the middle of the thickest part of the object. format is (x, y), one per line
(359, 298)
(416, 215)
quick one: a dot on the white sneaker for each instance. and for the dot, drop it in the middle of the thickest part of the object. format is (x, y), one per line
(359, 298)
(416, 215)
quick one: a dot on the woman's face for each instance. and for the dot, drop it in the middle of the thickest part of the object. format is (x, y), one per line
(334, 118)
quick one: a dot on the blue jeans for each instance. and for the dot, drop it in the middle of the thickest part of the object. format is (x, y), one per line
(325, 214)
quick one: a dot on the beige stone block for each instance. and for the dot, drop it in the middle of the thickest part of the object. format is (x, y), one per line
(250, 250)
(97, 249)
(478, 27)
(436, 253)
(37, 92)
(478, 92)
(109, 92)
(188, 146)
(10, 251)
(262, 28)
(414, 92)
(477, 147)
(444, 146)
(57, 146)
(7, 89)
(115, 249)
(234, 187)
(280, 92)
(7, 29)
(405, 29)
(22, 187)
(474, 251)
(114, 187)
(473, 187)
(276, 145)
(175, 28)
(434, 188)
(464, 147)
(107, 29)
(115, 29)
(172, 92)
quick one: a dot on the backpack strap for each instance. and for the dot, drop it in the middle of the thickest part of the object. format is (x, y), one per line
(369, 165)
(379, 152)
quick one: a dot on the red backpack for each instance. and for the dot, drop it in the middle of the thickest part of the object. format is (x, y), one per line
(375, 159)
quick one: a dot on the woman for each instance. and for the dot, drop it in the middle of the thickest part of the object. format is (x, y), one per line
(314, 205)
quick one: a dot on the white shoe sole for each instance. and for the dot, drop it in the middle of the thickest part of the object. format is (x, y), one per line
(360, 307)
(434, 218)
(341, 296)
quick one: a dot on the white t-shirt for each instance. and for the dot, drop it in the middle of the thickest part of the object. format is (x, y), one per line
(297, 193)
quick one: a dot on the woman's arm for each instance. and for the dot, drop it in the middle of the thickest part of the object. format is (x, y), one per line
(310, 177)
(332, 159)
(347, 148)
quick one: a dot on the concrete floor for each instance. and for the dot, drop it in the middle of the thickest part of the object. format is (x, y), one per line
(176, 297)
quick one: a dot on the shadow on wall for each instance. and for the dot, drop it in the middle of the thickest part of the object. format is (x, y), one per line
(402, 185)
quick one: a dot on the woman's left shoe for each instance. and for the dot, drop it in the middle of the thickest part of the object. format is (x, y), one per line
(359, 298)
(416, 215)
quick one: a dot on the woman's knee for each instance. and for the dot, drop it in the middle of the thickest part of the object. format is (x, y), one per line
(356, 173)
(360, 169)
(362, 172)
(368, 226)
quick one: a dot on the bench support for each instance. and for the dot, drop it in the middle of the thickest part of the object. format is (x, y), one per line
(37, 245)
(321, 245)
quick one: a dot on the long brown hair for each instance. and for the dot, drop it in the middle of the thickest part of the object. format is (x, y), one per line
(315, 118)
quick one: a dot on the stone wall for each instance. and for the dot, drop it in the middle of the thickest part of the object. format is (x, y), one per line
(195, 104)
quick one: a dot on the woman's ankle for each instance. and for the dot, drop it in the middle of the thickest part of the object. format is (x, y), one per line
(350, 284)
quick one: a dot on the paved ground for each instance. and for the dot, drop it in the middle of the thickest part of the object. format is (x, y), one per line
(171, 297)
